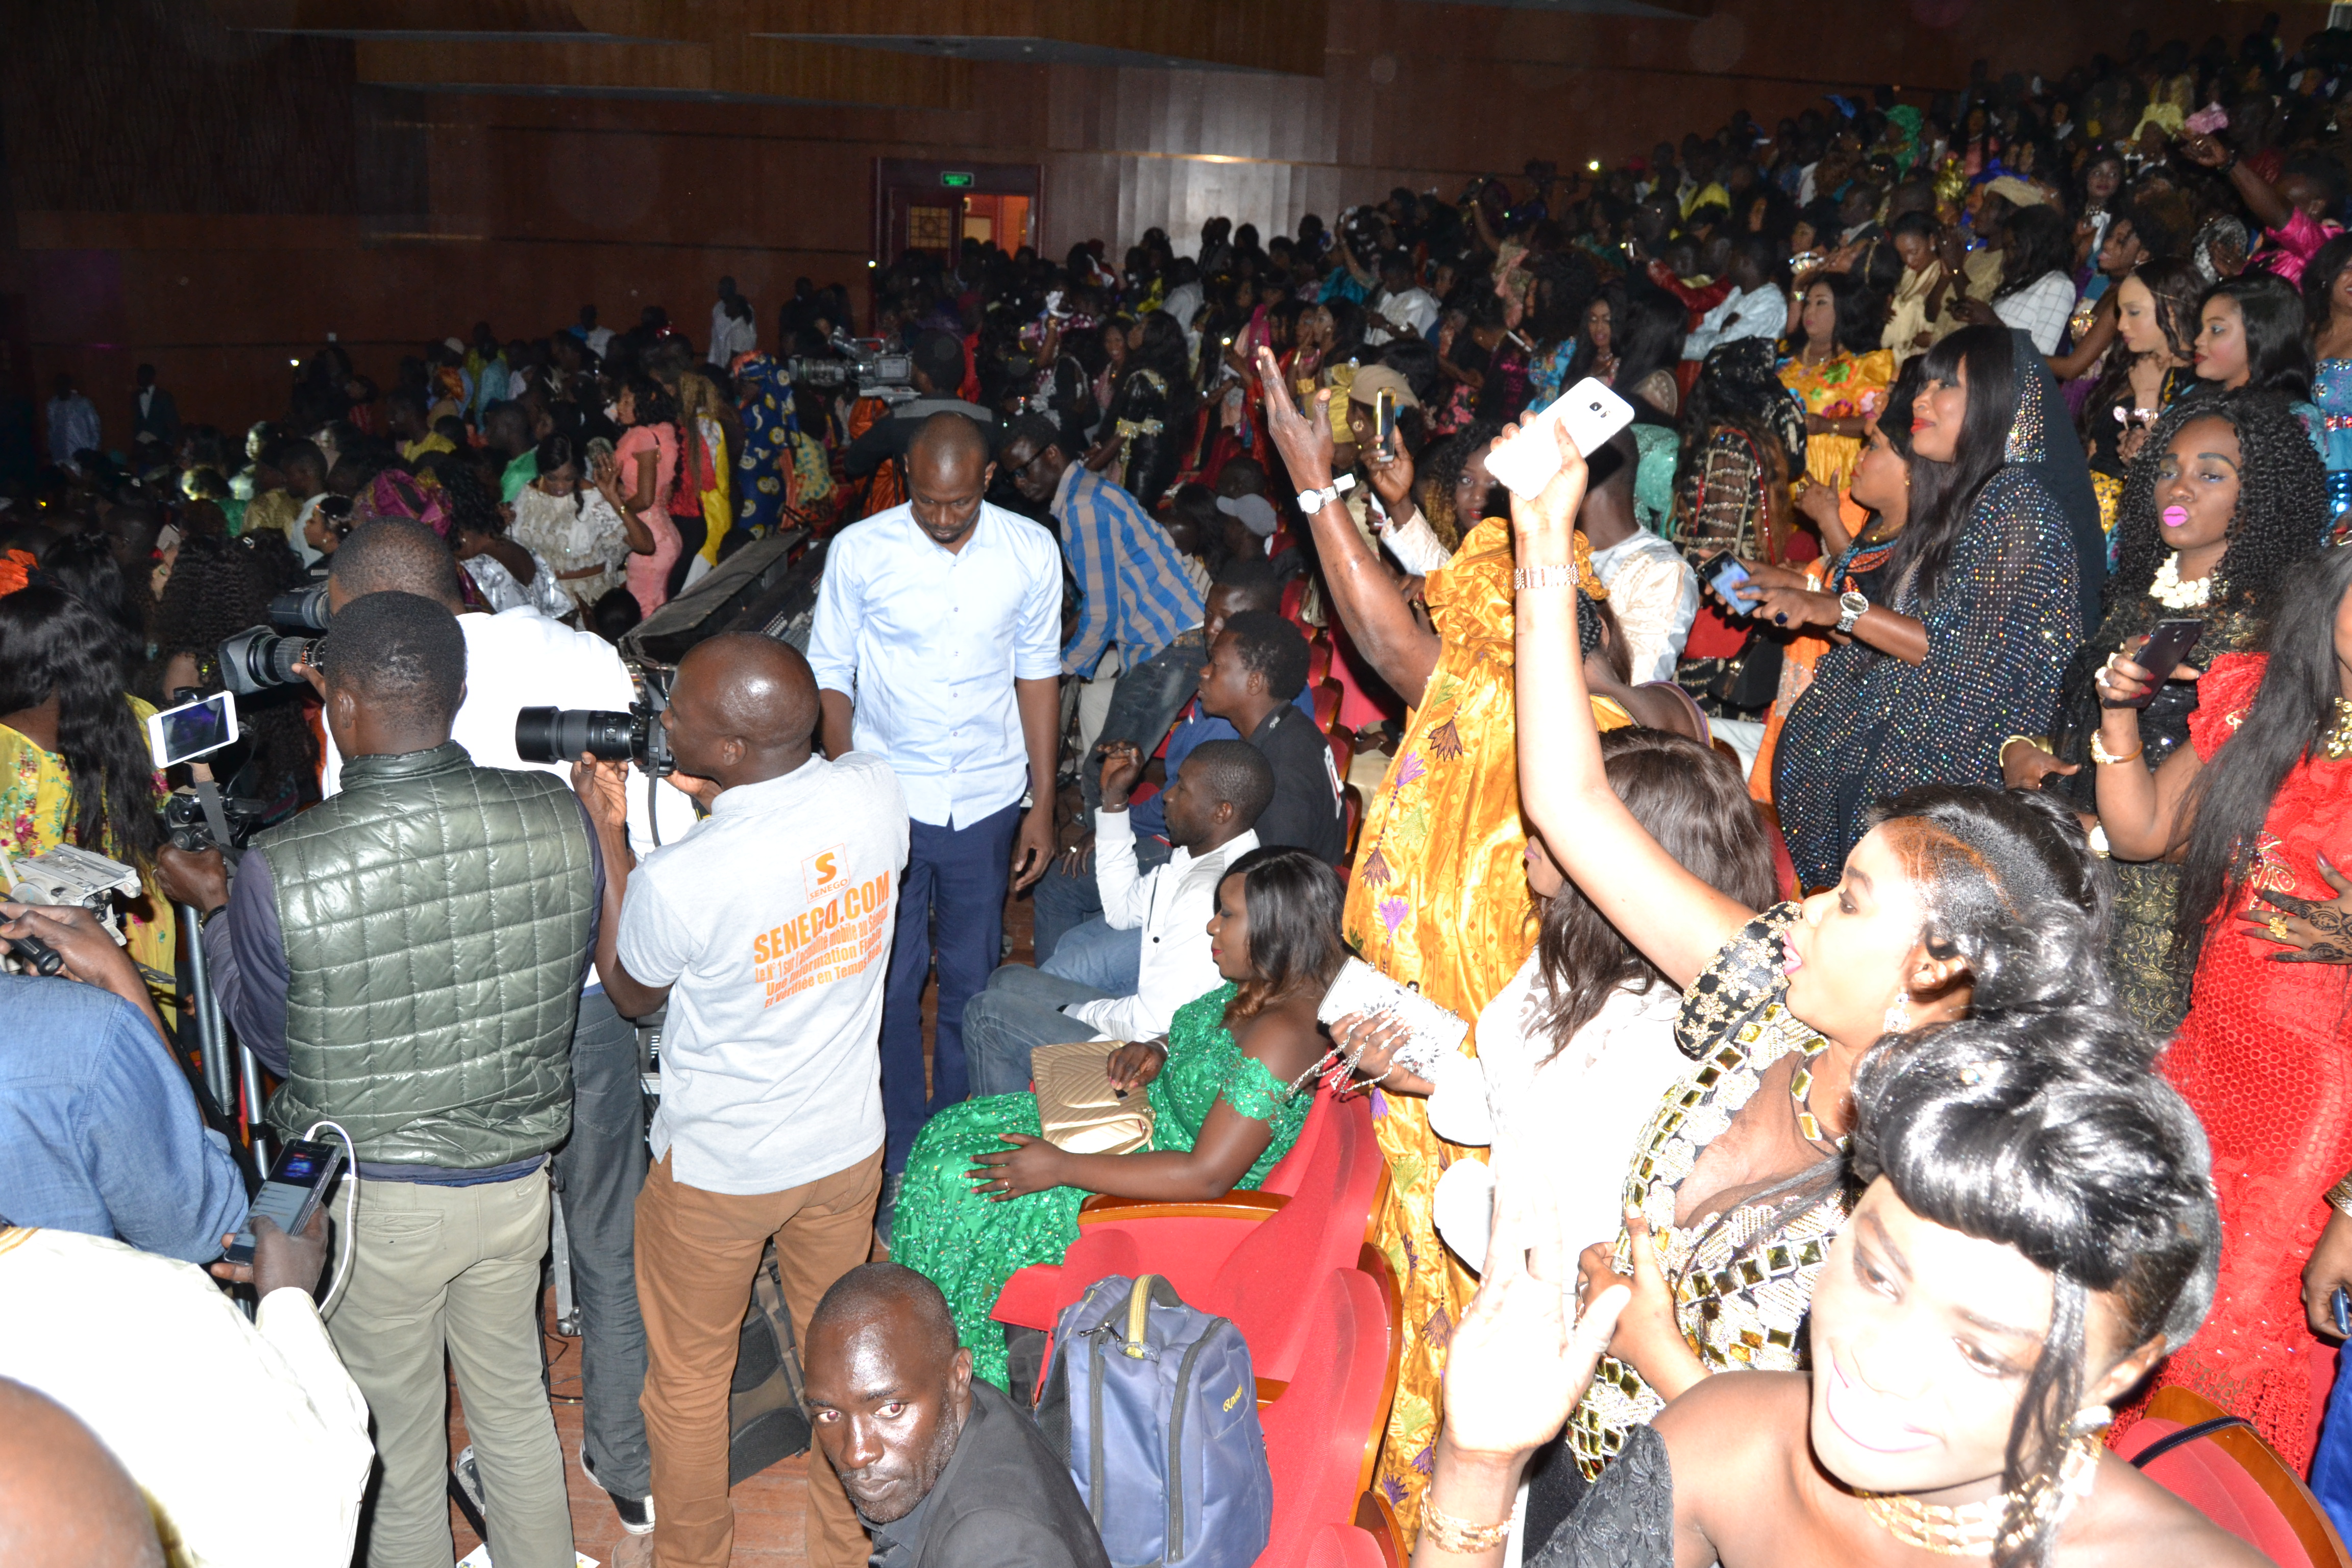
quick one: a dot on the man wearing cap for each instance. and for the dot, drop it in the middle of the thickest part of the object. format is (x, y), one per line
(1136, 596)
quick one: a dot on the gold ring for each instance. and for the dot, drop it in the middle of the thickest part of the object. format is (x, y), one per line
(2278, 929)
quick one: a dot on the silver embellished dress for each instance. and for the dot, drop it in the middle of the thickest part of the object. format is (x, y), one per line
(1742, 1281)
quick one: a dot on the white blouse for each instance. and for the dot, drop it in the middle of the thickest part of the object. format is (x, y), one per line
(1573, 1122)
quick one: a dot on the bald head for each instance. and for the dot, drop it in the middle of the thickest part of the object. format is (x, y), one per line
(743, 710)
(948, 472)
(888, 1387)
(64, 1496)
(948, 438)
(913, 1305)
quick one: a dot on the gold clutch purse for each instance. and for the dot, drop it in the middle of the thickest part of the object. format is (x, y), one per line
(1076, 1108)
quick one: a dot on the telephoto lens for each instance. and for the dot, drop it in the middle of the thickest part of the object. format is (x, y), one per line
(300, 609)
(561, 735)
(257, 659)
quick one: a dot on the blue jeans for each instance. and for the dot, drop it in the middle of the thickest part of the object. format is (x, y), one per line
(1095, 955)
(1144, 703)
(950, 916)
(1020, 1011)
(1063, 899)
(599, 1170)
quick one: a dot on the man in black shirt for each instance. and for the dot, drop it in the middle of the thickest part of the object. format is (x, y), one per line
(945, 1472)
(1256, 666)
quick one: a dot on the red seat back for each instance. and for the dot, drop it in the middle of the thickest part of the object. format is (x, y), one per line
(1327, 705)
(1266, 1279)
(2237, 1480)
(1322, 1433)
(1319, 658)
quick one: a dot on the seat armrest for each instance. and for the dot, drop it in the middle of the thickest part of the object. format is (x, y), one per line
(1249, 1205)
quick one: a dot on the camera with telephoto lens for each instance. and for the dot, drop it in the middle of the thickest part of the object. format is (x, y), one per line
(561, 735)
(260, 659)
(865, 367)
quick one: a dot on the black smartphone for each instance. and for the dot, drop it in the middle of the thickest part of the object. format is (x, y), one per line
(1724, 573)
(2162, 653)
(298, 1184)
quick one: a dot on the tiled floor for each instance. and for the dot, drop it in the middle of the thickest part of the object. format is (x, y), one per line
(768, 1508)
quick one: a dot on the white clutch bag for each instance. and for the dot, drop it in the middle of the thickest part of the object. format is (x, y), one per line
(1435, 1033)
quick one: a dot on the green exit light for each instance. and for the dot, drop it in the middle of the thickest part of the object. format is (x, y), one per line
(955, 180)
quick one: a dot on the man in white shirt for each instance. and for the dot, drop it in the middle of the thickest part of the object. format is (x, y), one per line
(937, 646)
(1756, 308)
(1405, 310)
(765, 931)
(1212, 805)
(198, 1403)
(1653, 591)
(732, 331)
(73, 426)
(598, 339)
(517, 660)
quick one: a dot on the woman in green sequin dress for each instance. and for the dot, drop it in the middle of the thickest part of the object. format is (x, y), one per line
(973, 1211)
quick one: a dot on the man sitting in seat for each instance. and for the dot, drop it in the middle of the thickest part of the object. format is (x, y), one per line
(1256, 667)
(946, 1471)
(1149, 950)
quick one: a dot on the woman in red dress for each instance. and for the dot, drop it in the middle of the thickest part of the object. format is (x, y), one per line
(2260, 806)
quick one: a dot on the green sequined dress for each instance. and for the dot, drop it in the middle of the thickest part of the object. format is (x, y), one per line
(970, 1245)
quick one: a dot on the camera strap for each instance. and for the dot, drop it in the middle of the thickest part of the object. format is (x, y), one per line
(209, 797)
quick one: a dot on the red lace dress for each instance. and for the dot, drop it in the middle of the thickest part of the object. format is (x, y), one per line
(2266, 1059)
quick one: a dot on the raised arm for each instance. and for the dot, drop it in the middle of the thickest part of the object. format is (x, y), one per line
(1371, 606)
(1678, 921)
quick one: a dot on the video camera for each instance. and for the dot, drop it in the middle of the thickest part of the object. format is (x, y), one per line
(186, 825)
(64, 875)
(865, 367)
(259, 658)
(561, 735)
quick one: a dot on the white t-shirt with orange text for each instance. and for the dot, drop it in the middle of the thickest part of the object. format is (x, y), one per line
(771, 922)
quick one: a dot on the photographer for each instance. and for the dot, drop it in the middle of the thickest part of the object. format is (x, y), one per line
(517, 660)
(105, 1137)
(407, 957)
(937, 378)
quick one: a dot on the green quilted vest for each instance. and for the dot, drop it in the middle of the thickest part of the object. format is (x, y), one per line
(436, 918)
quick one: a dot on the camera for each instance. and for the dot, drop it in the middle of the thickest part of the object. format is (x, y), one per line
(185, 826)
(257, 659)
(64, 875)
(300, 609)
(561, 735)
(865, 367)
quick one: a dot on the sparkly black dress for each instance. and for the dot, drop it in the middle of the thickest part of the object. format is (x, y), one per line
(2004, 619)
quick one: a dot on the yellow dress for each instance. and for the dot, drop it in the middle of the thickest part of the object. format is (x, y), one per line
(1438, 899)
(1843, 386)
(36, 815)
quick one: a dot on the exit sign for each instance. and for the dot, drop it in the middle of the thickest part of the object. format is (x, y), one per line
(955, 180)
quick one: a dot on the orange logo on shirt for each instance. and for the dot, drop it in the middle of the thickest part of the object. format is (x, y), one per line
(819, 869)
(826, 941)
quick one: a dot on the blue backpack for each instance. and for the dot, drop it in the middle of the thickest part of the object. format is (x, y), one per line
(1153, 1406)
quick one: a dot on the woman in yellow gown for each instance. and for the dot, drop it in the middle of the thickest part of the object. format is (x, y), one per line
(1438, 897)
(1838, 373)
(74, 763)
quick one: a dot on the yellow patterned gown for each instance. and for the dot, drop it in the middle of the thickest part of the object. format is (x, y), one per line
(1439, 900)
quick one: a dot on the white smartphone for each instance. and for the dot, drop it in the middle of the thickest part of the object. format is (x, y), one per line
(1592, 414)
(192, 730)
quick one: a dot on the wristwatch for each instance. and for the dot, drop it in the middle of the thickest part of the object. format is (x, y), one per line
(1851, 606)
(1312, 501)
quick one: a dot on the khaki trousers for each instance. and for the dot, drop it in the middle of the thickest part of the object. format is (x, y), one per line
(454, 1268)
(696, 1254)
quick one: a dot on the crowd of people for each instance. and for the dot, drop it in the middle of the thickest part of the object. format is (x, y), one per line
(1887, 974)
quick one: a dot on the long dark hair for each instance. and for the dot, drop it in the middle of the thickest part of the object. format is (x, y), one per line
(219, 587)
(2278, 353)
(2177, 286)
(2041, 241)
(2319, 278)
(1943, 494)
(2295, 705)
(1294, 904)
(1647, 335)
(1611, 296)
(2048, 1135)
(2282, 502)
(51, 644)
(1857, 328)
(1691, 800)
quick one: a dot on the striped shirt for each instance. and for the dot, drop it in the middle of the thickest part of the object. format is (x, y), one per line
(1137, 592)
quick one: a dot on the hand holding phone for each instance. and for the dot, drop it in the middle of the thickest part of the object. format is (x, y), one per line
(1727, 577)
(2160, 656)
(193, 730)
(1591, 414)
(298, 1184)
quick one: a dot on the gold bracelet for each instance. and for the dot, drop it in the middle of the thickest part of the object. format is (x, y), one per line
(2106, 759)
(1460, 1536)
(2339, 1196)
(2036, 742)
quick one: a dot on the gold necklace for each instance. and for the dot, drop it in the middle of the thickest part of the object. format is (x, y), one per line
(1979, 1529)
(1800, 1090)
(2336, 742)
